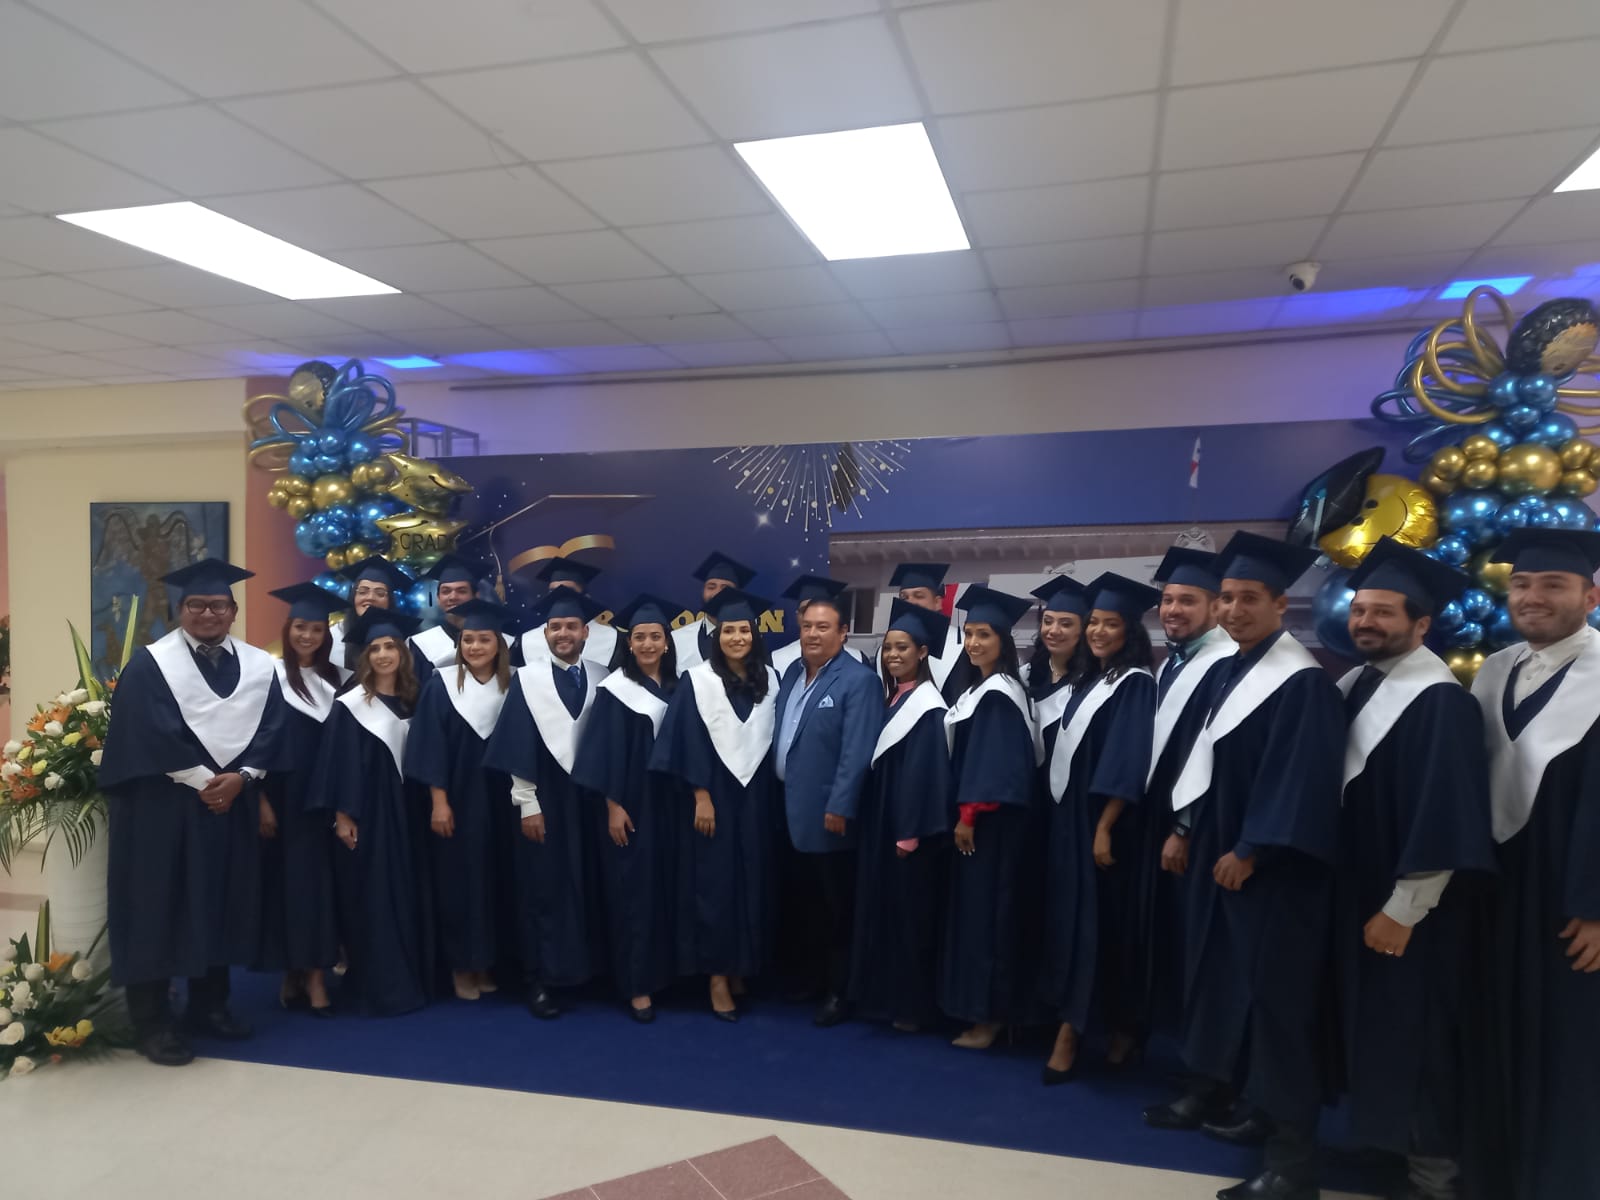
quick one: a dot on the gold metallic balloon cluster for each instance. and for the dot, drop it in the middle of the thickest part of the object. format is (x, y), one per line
(1526, 469)
(1395, 507)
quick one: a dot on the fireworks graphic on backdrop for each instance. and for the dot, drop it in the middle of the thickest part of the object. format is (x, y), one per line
(810, 483)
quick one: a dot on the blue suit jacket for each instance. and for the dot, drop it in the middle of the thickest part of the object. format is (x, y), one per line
(832, 749)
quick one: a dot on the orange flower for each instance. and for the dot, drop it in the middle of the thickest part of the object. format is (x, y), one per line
(90, 742)
(21, 791)
(61, 713)
(111, 685)
(36, 722)
(57, 961)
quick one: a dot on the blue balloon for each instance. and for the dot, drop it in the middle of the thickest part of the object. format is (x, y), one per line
(1521, 418)
(1452, 550)
(420, 595)
(1330, 614)
(1498, 434)
(1537, 390)
(308, 535)
(329, 582)
(331, 441)
(1477, 604)
(1503, 391)
(1555, 430)
(340, 523)
(1545, 518)
(1450, 618)
(1594, 618)
(327, 464)
(359, 450)
(1469, 514)
(303, 462)
(1509, 518)
(1469, 634)
(1571, 514)
(1499, 631)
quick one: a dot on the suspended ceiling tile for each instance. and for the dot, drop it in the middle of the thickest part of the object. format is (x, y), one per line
(667, 185)
(573, 257)
(1299, 187)
(510, 201)
(1063, 143)
(476, 33)
(1066, 212)
(49, 71)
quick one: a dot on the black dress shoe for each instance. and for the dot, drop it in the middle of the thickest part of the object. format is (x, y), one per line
(830, 1012)
(220, 1024)
(1051, 1077)
(1188, 1111)
(1269, 1185)
(166, 1049)
(730, 1015)
(645, 1015)
(542, 1004)
(1252, 1129)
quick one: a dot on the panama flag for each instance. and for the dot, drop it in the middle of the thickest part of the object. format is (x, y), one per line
(1194, 465)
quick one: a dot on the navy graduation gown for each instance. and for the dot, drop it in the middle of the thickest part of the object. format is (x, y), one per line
(909, 793)
(445, 749)
(558, 893)
(984, 968)
(1420, 803)
(183, 883)
(727, 884)
(385, 918)
(1256, 959)
(1098, 923)
(639, 880)
(299, 917)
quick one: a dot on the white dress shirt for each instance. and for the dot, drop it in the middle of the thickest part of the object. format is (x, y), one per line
(198, 777)
(1540, 665)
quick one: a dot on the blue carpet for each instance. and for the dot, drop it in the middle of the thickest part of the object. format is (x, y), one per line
(773, 1064)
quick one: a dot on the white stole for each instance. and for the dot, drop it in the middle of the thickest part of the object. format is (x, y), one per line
(378, 719)
(1069, 738)
(224, 725)
(478, 704)
(558, 728)
(322, 692)
(924, 699)
(1409, 678)
(686, 644)
(941, 666)
(1516, 768)
(967, 703)
(636, 699)
(1171, 706)
(1285, 658)
(1048, 709)
(741, 745)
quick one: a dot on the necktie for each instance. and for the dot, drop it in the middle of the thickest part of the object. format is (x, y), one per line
(576, 675)
(1169, 671)
(212, 654)
(1366, 683)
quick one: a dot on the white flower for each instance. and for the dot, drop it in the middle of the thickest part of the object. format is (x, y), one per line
(52, 729)
(93, 708)
(9, 954)
(5, 1016)
(77, 696)
(22, 998)
(22, 1066)
(12, 747)
(33, 972)
(95, 756)
(10, 770)
(13, 1033)
(81, 970)
(53, 782)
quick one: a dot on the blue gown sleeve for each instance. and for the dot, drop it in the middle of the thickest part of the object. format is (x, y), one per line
(998, 763)
(514, 745)
(427, 758)
(683, 747)
(1296, 791)
(337, 784)
(601, 765)
(1124, 761)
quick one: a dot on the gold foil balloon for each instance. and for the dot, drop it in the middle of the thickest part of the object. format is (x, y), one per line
(1480, 473)
(336, 559)
(295, 485)
(308, 388)
(1395, 507)
(1480, 445)
(1579, 483)
(420, 539)
(277, 497)
(330, 490)
(1464, 664)
(373, 476)
(300, 507)
(423, 484)
(1529, 469)
(1447, 463)
(1577, 454)
(1438, 486)
(1492, 577)
(354, 552)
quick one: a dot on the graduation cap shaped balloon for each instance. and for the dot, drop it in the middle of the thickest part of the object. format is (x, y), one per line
(923, 626)
(1062, 594)
(208, 577)
(1333, 498)
(308, 602)
(1426, 582)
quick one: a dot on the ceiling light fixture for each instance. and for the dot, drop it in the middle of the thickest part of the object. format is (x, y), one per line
(190, 234)
(863, 193)
(1506, 285)
(1585, 178)
(411, 362)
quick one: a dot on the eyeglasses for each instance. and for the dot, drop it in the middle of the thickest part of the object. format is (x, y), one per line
(220, 607)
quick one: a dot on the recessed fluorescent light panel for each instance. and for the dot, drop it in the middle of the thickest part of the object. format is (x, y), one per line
(201, 238)
(864, 193)
(411, 362)
(1506, 285)
(1585, 178)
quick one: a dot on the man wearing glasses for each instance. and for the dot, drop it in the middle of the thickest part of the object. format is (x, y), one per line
(198, 721)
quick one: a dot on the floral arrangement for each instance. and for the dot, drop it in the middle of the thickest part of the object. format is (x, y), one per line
(53, 1006)
(49, 783)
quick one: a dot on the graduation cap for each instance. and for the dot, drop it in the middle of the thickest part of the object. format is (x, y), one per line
(647, 609)
(560, 570)
(919, 575)
(564, 602)
(378, 623)
(481, 614)
(374, 569)
(720, 566)
(1427, 583)
(732, 604)
(1264, 560)
(453, 568)
(1190, 568)
(1063, 595)
(1551, 550)
(1119, 594)
(814, 587)
(922, 625)
(985, 606)
(308, 602)
(208, 577)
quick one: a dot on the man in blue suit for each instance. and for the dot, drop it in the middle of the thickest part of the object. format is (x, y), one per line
(830, 707)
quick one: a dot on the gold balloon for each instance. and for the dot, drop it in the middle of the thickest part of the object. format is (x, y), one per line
(336, 560)
(1529, 469)
(277, 497)
(373, 476)
(1447, 463)
(308, 389)
(329, 490)
(1437, 485)
(1480, 445)
(1395, 507)
(1480, 473)
(420, 539)
(1577, 454)
(1465, 664)
(300, 507)
(295, 485)
(1579, 483)
(354, 552)
(1492, 577)
(424, 485)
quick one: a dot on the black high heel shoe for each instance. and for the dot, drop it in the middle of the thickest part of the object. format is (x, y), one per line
(1051, 1077)
(730, 1015)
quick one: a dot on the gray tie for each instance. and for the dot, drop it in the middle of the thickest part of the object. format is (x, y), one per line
(213, 653)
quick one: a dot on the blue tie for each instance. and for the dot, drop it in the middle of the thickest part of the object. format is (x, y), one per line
(576, 674)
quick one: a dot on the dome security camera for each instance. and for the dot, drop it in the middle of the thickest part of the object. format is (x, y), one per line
(1303, 275)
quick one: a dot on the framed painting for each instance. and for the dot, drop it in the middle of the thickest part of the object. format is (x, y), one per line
(131, 546)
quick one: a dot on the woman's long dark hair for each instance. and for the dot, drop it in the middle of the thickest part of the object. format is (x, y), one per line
(968, 676)
(1136, 651)
(1080, 663)
(890, 684)
(405, 678)
(622, 660)
(754, 683)
(321, 661)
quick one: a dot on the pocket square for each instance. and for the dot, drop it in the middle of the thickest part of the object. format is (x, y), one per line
(825, 702)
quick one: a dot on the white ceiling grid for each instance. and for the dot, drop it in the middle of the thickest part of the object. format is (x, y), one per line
(557, 176)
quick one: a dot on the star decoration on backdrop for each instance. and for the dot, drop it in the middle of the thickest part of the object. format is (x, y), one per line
(809, 483)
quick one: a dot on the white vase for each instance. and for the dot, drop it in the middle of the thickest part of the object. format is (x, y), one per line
(78, 897)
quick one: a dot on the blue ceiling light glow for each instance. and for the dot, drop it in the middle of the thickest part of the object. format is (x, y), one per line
(1318, 308)
(1506, 285)
(514, 362)
(411, 362)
